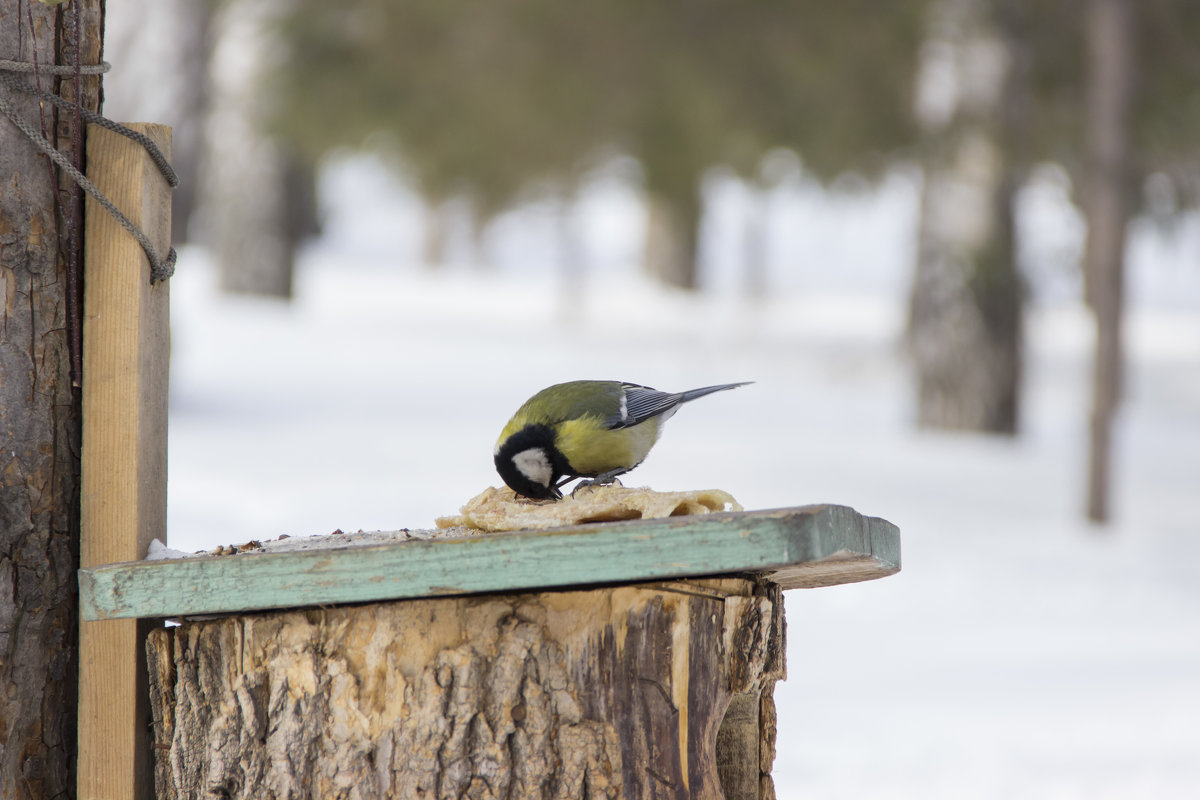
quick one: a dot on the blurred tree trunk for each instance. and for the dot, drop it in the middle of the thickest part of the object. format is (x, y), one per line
(755, 284)
(437, 233)
(672, 234)
(1110, 44)
(266, 212)
(572, 257)
(965, 314)
(197, 29)
(39, 409)
(263, 199)
(454, 233)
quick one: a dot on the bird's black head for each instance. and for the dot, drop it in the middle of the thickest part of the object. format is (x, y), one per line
(530, 464)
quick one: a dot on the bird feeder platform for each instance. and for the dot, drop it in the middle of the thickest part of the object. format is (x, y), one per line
(630, 660)
(795, 548)
(627, 660)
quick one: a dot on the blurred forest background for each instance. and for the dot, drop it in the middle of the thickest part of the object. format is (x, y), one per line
(954, 241)
(482, 107)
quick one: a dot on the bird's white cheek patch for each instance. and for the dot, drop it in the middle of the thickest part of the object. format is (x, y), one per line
(534, 465)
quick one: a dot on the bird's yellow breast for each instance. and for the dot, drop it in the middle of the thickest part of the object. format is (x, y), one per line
(593, 449)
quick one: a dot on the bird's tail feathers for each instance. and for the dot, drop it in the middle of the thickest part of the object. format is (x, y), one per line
(692, 394)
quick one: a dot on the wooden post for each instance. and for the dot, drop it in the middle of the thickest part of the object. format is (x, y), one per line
(124, 456)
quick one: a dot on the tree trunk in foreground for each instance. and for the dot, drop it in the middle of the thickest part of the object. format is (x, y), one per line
(619, 692)
(39, 410)
(1110, 56)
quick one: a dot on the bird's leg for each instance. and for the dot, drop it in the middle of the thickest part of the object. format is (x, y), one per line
(603, 479)
(610, 477)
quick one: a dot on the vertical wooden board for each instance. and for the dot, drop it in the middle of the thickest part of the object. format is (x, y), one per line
(126, 351)
(114, 745)
(124, 456)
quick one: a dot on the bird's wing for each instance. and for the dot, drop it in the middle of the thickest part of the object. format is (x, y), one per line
(641, 403)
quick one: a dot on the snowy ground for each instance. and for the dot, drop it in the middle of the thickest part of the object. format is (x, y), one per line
(1019, 654)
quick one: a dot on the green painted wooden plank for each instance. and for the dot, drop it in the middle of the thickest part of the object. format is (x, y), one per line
(798, 547)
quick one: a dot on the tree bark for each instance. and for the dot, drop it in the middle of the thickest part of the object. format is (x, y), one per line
(39, 409)
(1110, 35)
(616, 692)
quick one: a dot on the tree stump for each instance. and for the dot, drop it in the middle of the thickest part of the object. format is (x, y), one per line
(653, 690)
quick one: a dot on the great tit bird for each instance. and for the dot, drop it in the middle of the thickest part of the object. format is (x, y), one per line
(584, 429)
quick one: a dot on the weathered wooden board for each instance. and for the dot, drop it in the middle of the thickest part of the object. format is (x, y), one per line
(795, 547)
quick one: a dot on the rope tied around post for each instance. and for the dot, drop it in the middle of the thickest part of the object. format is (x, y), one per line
(160, 268)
